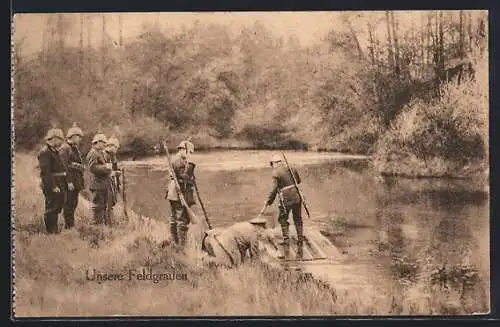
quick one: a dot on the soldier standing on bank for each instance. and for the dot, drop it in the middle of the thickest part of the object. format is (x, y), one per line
(184, 171)
(112, 146)
(72, 159)
(53, 176)
(290, 200)
(100, 172)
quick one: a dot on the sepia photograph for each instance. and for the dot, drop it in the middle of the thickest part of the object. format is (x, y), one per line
(216, 164)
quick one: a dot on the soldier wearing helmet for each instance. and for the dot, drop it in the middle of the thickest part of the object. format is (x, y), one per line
(53, 177)
(289, 200)
(184, 172)
(112, 145)
(73, 161)
(100, 172)
(234, 245)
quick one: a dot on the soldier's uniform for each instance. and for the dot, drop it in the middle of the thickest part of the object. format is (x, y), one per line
(53, 177)
(284, 187)
(234, 245)
(110, 157)
(99, 182)
(184, 172)
(72, 159)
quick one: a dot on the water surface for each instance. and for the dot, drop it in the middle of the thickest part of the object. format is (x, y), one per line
(398, 225)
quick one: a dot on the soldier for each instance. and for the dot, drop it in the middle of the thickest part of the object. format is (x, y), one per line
(100, 172)
(53, 176)
(184, 171)
(73, 161)
(290, 200)
(234, 245)
(112, 146)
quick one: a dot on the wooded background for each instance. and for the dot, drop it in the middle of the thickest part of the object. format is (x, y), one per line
(399, 86)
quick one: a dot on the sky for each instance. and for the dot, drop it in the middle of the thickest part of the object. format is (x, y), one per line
(309, 27)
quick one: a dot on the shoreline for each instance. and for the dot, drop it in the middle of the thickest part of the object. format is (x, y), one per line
(389, 169)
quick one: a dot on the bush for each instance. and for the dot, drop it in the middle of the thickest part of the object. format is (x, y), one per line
(451, 130)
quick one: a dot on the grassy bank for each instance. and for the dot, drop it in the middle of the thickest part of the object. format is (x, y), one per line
(50, 274)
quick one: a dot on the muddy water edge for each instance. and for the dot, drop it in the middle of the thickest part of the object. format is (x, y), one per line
(406, 230)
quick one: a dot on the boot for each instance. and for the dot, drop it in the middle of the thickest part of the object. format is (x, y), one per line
(182, 235)
(50, 220)
(286, 243)
(173, 233)
(99, 216)
(69, 221)
(108, 217)
(300, 241)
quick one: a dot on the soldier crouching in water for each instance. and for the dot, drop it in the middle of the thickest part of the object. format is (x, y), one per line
(235, 245)
(290, 200)
(53, 176)
(100, 173)
(112, 145)
(184, 172)
(72, 159)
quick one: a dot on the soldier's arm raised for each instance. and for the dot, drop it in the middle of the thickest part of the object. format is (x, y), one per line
(45, 171)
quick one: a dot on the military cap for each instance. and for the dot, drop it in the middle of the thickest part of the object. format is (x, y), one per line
(258, 221)
(54, 132)
(113, 141)
(99, 137)
(189, 146)
(74, 130)
(275, 158)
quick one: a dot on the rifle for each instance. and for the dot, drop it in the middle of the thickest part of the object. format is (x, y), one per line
(262, 210)
(202, 206)
(177, 186)
(124, 194)
(296, 185)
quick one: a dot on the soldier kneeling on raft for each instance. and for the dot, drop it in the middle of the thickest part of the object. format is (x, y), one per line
(233, 246)
(53, 175)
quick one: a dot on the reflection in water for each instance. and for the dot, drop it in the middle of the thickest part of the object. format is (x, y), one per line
(414, 222)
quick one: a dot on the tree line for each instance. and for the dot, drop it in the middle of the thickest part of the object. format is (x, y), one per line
(357, 90)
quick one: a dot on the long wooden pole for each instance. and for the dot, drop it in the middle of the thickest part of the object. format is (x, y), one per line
(296, 185)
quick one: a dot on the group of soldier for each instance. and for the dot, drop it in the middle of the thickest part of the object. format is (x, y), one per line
(62, 173)
(62, 176)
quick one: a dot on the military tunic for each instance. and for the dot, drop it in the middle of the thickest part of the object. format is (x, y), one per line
(284, 187)
(99, 185)
(184, 171)
(110, 157)
(72, 159)
(234, 245)
(52, 175)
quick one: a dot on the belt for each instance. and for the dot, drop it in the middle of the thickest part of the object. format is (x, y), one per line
(288, 187)
(59, 174)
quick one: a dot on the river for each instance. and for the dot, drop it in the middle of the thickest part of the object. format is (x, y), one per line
(401, 225)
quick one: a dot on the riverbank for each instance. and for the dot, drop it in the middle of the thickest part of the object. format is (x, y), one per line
(409, 166)
(50, 274)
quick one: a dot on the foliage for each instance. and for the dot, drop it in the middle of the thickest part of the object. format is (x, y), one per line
(252, 87)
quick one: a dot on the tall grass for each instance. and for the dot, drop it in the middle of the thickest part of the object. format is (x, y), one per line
(50, 274)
